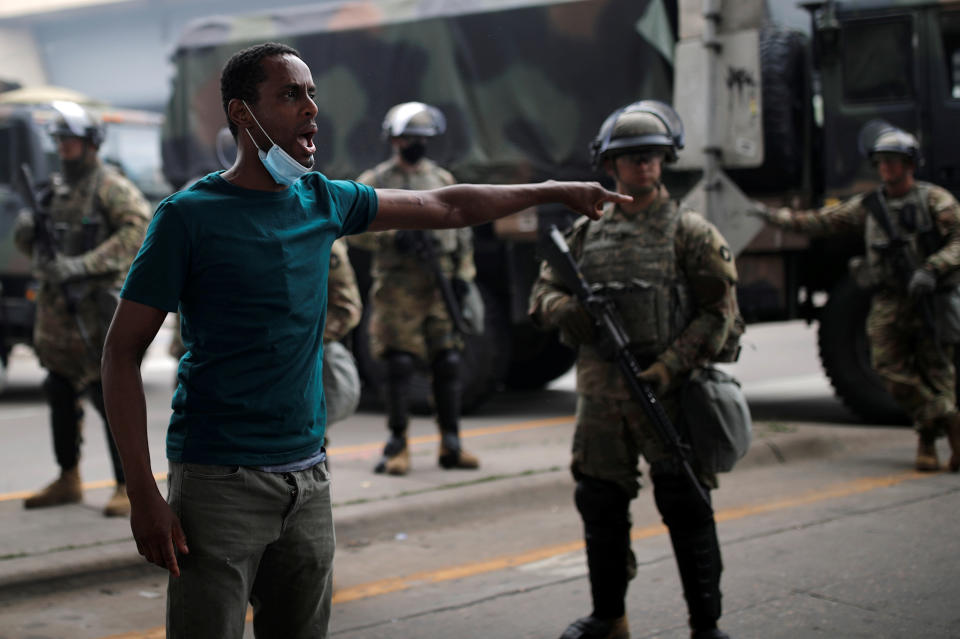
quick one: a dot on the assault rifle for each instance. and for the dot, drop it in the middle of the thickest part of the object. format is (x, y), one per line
(422, 246)
(604, 314)
(899, 255)
(45, 243)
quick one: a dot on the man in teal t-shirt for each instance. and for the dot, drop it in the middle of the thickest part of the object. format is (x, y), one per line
(244, 254)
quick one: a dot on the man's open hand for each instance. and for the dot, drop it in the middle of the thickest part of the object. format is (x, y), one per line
(157, 532)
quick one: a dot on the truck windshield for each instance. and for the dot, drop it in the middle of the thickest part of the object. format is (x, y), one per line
(878, 61)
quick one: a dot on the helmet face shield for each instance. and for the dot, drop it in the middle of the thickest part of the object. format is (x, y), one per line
(880, 137)
(643, 125)
(413, 119)
(74, 121)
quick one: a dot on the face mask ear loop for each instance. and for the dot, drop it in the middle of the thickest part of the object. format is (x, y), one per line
(257, 122)
(254, 141)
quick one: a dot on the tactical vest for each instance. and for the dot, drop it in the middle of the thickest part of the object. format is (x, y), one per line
(912, 219)
(79, 223)
(388, 176)
(634, 264)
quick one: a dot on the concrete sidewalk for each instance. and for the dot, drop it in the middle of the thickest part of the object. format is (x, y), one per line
(519, 464)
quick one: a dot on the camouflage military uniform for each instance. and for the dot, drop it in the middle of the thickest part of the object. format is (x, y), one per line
(672, 279)
(612, 430)
(102, 217)
(407, 310)
(902, 349)
(409, 320)
(344, 307)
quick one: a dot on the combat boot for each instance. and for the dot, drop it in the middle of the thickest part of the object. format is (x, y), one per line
(453, 456)
(396, 457)
(593, 628)
(446, 397)
(119, 504)
(66, 489)
(926, 455)
(953, 436)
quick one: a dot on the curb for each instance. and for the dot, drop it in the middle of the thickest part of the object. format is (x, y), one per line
(453, 503)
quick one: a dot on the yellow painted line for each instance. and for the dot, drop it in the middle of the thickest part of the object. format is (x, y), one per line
(376, 447)
(395, 584)
(90, 485)
(370, 447)
(472, 569)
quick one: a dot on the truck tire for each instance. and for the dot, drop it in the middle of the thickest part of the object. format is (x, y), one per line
(483, 364)
(538, 358)
(845, 356)
(784, 76)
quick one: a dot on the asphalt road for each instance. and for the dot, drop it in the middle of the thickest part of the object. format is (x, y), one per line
(839, 540)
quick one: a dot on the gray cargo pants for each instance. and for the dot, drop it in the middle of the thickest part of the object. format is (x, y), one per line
(258, 537)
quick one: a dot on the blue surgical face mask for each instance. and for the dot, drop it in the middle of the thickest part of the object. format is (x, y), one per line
(282, 168)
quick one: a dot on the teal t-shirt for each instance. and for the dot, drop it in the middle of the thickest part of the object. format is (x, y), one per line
(248, 271)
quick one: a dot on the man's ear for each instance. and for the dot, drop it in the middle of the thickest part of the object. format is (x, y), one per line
(610, 167)
(239, 113)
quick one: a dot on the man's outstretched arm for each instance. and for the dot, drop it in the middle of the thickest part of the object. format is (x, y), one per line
(471, 204)
(155, 528)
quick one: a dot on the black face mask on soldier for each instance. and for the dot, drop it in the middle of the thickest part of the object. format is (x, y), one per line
(412, 153)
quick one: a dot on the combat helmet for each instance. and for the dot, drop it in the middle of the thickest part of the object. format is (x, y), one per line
(879, 136)
(73, 120)
(413, 119)
(647, 124)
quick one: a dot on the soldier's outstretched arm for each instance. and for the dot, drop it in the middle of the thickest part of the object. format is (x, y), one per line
(155, 528)
(843, 217)
(471, 204)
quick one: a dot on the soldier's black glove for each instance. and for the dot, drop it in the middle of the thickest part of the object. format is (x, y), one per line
(406, 241)
(921, 283)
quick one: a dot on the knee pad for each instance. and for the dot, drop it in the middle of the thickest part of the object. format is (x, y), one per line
(446, 365)
(400, 366)
(602, 502)
(679, 503)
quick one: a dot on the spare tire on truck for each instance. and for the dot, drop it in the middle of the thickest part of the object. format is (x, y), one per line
(845, 355)
(784, 71)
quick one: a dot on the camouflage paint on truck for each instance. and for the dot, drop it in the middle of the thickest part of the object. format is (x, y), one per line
(524, 85)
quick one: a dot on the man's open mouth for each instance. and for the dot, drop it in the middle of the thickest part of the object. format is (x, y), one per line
(306, 141)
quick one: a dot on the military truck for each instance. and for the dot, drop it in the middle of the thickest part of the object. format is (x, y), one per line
(131, 143)
(525, 85)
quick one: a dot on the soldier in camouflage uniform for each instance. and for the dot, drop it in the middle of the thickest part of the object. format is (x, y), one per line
(672, 278)
(99, 219)
(409, 322)
(918, 372)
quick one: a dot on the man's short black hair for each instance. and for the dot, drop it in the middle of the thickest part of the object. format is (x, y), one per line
(243, 73)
